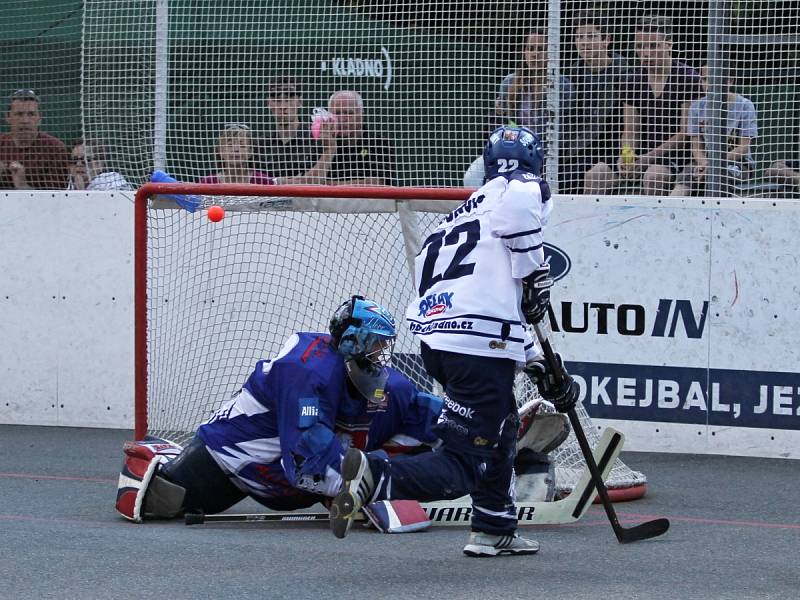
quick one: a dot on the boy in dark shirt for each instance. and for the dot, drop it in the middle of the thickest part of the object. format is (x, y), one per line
(288, 149)
(599, 82)
(654, 141)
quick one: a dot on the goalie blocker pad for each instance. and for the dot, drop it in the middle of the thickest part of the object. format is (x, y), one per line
(541, 429)
(140, 464)
(397, 516)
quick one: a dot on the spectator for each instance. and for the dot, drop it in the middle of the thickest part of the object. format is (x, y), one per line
(522, 97)
(599, 79)
(740, 129)
(88, 171)
(785, 171)
(29, 158)
(654, 135)
(235, 157)
(288, 149)
(361, 158)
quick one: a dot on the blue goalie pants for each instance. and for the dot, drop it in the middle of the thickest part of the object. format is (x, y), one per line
(478, 427)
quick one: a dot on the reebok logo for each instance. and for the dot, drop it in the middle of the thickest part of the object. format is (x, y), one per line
(455, 407)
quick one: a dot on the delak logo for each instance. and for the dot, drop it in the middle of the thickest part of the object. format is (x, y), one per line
(435, 304)
(360, 66)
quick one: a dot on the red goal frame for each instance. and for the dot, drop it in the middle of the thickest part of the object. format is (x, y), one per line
(141, 205)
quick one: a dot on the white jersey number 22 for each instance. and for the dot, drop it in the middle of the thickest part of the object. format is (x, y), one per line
(455, 269)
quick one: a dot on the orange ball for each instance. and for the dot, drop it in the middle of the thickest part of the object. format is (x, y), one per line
(215, 213)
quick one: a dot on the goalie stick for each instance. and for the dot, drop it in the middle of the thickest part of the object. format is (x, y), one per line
(458, 512)
(624, 535)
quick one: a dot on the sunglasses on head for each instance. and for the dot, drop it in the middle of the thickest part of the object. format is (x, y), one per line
(24, 94)
(237, 126)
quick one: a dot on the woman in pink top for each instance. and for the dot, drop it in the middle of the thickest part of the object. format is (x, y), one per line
(234, 156)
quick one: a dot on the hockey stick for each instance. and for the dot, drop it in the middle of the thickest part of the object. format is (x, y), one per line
(459, 512)
(624, 535)
(200, 518)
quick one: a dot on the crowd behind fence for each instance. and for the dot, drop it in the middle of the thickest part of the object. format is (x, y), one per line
(687, 98)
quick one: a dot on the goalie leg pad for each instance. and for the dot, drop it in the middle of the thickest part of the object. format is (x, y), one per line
(397, 516)
(163, 499)
(142, 459)
(208, 487)
(535, 479)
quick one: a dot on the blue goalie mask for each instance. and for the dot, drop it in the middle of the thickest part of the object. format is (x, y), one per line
(364, 333)
(509, 149)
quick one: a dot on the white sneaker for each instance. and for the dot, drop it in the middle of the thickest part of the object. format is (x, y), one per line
(357, 487)
(484, 544)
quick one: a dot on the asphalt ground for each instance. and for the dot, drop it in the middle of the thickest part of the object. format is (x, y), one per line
(735, 535)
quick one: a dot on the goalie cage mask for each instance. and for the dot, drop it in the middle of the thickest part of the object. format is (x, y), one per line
(509, 149)
(364, 333)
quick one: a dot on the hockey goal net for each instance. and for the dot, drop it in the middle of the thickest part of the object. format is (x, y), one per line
(213, 298)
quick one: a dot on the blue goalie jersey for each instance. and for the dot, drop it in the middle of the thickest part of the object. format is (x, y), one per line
(293, 418)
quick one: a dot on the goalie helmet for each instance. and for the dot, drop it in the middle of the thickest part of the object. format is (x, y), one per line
(364, 332)
(510, 149)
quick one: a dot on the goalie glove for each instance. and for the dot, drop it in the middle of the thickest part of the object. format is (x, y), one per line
(536, 294)
(563, 395)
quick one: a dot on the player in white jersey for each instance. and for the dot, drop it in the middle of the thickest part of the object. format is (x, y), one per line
(479, 277)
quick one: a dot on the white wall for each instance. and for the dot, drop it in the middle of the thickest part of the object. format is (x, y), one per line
(67, 330)
(741, 257)
(66, 291)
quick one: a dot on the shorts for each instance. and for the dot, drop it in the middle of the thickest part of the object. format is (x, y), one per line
(674, 164)
(735, 174)
(576, 164)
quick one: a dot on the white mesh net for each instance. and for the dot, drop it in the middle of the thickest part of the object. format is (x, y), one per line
(162, 79)
(221, 296)
(154, 82)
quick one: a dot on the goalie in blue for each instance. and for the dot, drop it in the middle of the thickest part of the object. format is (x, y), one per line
(280, 439)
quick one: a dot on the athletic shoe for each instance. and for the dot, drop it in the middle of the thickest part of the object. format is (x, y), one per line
(484, 544)
(357, 487)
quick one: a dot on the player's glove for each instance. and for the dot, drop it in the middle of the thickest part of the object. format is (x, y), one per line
(536, 294)
(563, 395)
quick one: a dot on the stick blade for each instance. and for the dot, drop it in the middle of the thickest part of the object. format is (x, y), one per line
(645, 531)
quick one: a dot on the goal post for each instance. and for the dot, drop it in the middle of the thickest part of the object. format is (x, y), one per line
(211, 299)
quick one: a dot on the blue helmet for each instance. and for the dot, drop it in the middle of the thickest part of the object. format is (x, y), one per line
(364, 332)
(510, 149)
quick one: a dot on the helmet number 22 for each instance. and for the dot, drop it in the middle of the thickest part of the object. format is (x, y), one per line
(455, 269)
(507, 165)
